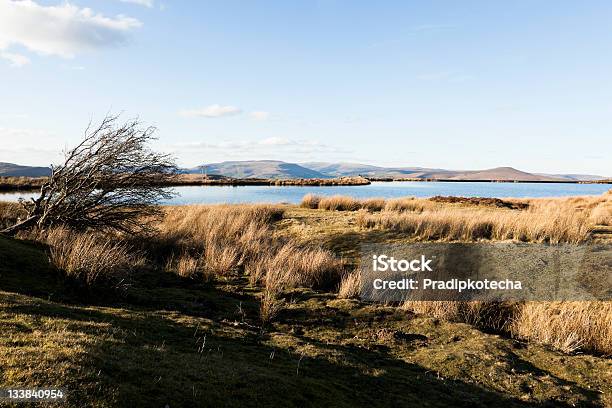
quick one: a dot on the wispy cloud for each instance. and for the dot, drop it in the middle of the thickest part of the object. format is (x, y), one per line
(73, 67)
(63, 30)
(271, 148)
(16, 60)
(28, 146)
(212, 111)
(145, 3)
(259, 115)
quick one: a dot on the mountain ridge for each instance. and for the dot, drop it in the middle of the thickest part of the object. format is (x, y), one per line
(16, 170)
(273, 169)
(277, 169)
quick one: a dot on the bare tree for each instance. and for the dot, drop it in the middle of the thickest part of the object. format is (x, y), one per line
(111, 180)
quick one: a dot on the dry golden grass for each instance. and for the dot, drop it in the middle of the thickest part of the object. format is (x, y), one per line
(310, 201)
(567, 326)
(602, 214)
(409, 204)
(350, 285)
(207, 241)
(10, 213)
(90, 258)
(373, 204)
(222, 237)
(545, 220)
(469, 225)
(291, 265)
(269, 306)
(497, 316)
(189, 266)
(21, 183)
(341, 203)
(226, 238)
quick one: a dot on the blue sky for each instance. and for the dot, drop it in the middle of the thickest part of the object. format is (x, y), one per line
(444, 84)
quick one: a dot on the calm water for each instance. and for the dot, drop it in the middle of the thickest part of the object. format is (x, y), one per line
(294, 194)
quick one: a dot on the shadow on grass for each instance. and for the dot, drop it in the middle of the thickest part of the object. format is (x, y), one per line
(173, 342)
(153, 360)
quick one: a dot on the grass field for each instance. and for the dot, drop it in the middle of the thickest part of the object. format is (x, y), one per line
(239, 306)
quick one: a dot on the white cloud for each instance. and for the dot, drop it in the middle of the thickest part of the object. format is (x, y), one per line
(275, 141)
(62, 30)
(212, 111)
(28, 146)
(146, 3)
(16, 60)
(272, 147)
(259, 115)
(73, 67)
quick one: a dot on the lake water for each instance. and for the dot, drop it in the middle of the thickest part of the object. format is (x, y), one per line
(294, 194)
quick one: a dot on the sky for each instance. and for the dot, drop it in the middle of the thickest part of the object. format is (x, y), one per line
(440, 84)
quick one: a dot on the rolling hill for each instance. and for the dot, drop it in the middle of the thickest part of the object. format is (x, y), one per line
(260, 169)
(498, 173)
(274, 169)
(575, 177)
(15, 170)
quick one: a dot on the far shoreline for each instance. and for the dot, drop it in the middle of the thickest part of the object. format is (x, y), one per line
(9, 184)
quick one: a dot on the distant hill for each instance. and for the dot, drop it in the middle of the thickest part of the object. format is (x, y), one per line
(344, 169)
(274, 169)
(576, 177)
(260, 169)
(354, 169)
(499, 173)
(15, 170)
(279, 169)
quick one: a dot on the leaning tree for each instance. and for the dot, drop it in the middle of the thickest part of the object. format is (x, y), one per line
(111, 180)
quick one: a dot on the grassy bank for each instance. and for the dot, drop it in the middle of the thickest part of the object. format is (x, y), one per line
(251, 305)
(21, 183)
(34, 183)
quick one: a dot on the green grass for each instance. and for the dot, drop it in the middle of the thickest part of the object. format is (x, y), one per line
(169, 340)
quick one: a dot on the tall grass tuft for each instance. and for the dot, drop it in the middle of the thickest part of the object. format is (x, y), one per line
(567, 326)
(339, 203)
(291, 265)
(350, 285)
(554, 224)
(222, 237)
(90, 258)
(310, 201)
(233, 238)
